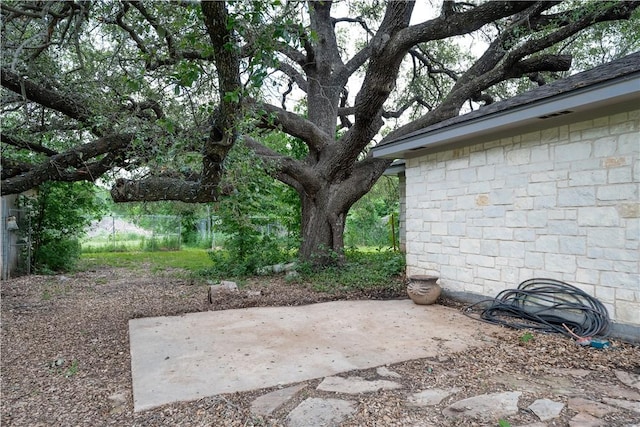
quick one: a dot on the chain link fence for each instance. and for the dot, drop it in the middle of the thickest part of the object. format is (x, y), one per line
(143, 232)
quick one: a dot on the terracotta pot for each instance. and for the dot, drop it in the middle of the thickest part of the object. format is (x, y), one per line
(423, 290)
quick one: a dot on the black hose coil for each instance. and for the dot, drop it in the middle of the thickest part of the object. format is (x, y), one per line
(545, 305)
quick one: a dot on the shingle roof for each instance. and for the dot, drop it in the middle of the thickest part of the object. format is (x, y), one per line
(610, 71)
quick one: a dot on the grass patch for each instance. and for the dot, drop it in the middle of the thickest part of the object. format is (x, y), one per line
(381, 269)
(192, 260)
(364, 270)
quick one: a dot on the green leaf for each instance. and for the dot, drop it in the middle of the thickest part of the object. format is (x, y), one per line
(231, 97)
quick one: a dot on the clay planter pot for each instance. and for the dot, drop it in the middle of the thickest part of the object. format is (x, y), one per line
(423, 290)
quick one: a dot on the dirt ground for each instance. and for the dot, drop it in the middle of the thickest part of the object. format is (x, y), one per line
(65, 357)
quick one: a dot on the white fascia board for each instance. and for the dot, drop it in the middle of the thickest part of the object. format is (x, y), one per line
(590, 98)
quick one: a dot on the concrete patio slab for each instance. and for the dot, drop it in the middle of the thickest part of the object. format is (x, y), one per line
(204, 354)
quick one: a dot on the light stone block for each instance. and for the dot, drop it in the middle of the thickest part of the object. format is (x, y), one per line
(598, 216)
(523, 203)
(560, 263)
(474, 232)
(621, 254)
(488, 274)
(595, 177)
(479, 187)
(572, 245)
(572, 151)
(448, 272)
(524, 235)
(540, 154)
(595, 132)
(537, 219)
(478, 158)
(628, 312)
(438, 228)
(628, 143)
(589, 276)
(534, 260)
(585, 124)
(627, 295)
(607, 237)
(541, 189)
(486, 173)
(547, 244)
(470, 246)
(473, 288)
(502, 196)
(431, 215)
(456, 229)
(595, 263)
(620, 280)
(577, 196)
(549, 176)
(494, 211)
(515, 219)
(604, 147)
(611, 311)
(497, 233)
(606, 294)
(481, 260)
(627, 266)
(619, 175)
(455, 164)
(562, 228)
(495, 156)
(489, 247)
(509, 275)
(511, 249)
(465, 274)
(545, 202)
(518, 157)
(435, 175)
(450, 241)
(618, 192)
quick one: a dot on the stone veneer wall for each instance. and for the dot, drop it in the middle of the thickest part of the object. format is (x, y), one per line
(559, 203)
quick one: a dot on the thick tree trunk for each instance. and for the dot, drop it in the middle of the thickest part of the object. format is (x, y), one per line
(323, 230)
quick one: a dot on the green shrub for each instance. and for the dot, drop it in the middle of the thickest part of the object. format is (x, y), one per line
(245, 254)
(381, 269)
(60, 255)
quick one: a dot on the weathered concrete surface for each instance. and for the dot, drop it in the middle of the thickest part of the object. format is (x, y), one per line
(203, 354)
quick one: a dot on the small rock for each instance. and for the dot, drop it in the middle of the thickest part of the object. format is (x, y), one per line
(224, 286)
(430, 397)
(315, 412)
(494, 405)
(254, 293)
(629, 379)
(118, 401)
(590, 407)
(355, 385)
(546, 409)
(625, 404)
(585, 420)
(383, 371)
(292, 274)
(266, 404)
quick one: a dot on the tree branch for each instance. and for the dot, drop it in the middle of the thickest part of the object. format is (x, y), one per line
(22, 143)
(49, 98)
(56, 167)
(295, 125)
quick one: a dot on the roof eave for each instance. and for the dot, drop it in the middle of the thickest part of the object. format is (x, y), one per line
(544, 112)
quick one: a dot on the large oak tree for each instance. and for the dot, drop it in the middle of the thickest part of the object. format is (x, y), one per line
(153, 95)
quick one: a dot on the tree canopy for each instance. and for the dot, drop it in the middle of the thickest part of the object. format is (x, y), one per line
(151, 96)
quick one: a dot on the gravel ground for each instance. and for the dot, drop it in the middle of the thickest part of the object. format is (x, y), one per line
(65, 357)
